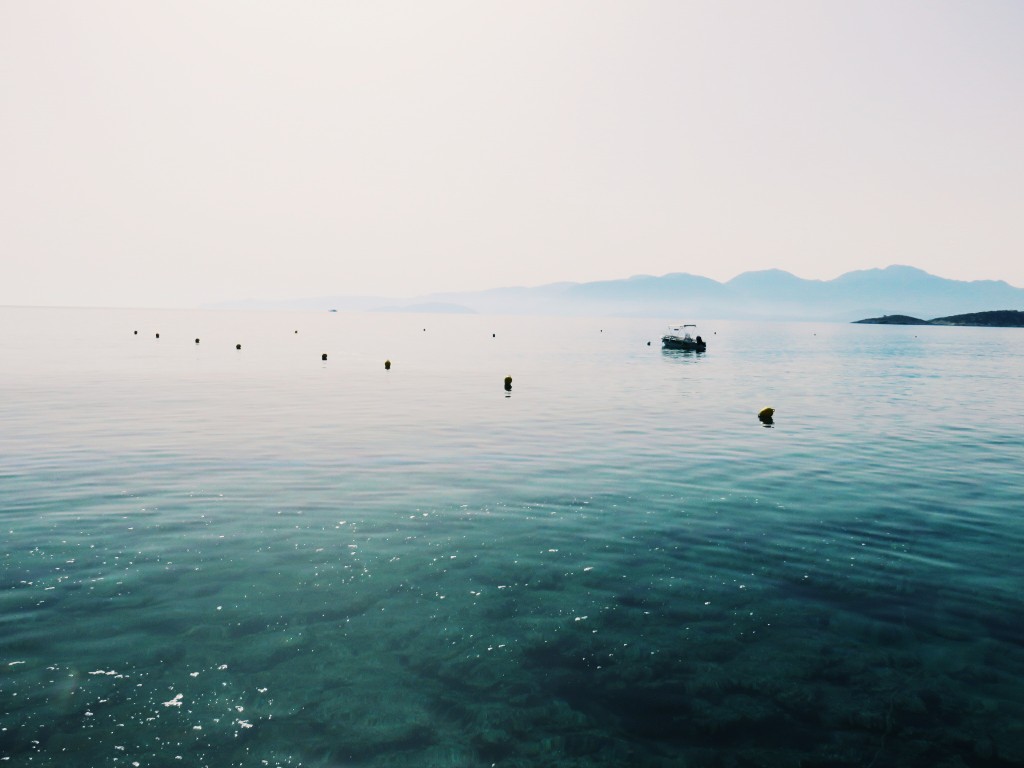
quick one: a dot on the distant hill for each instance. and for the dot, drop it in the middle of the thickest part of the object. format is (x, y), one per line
(681, 297)
(1000, 318)
(894, 320)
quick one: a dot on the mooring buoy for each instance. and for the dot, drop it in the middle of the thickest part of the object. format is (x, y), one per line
(158, 335)
(508, 383)
(765, 415)
(387, 365)
(323, 356)
(238, 346)
(197, 341)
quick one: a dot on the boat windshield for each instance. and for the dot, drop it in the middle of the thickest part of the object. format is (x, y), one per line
(686, 331)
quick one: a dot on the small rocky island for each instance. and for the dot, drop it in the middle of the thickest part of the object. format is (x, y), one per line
(1000, 318)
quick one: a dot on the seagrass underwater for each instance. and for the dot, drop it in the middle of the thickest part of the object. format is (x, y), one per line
(269, 548)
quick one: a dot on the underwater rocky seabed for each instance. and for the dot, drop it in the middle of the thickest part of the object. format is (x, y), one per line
(550, 590)
(481, 657)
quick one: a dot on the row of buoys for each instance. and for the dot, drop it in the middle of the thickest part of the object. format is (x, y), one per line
(387, 363)
(765, 415)
(493, 336)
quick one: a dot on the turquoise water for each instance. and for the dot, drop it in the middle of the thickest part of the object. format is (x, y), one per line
(221, 557)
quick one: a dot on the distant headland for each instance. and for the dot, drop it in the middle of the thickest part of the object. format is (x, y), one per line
(1000, 318)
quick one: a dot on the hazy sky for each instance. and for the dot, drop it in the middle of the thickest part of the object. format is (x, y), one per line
(175, 153)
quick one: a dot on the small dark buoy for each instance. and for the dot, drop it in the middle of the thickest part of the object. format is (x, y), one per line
(494, 335)
(158, 335)
(648, 343)
(508, 383)
(136, 333)
(765, 415)
(238, 346)
(323, 356)
(387, 365)
(424, 329)
(296, 331)
(197, 341)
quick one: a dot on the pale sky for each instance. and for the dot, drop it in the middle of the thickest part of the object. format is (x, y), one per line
(178, 153)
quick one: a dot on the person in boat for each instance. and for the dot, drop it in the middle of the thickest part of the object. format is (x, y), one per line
(700, 340)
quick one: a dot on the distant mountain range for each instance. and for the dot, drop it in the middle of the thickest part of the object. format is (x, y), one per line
(764, 295)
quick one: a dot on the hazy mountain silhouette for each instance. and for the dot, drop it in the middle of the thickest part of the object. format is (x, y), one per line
(770, 294)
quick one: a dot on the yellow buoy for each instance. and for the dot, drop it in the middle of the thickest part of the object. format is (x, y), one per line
(765, 415)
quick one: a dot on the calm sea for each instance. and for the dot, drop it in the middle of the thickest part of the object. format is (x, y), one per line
(256, 557)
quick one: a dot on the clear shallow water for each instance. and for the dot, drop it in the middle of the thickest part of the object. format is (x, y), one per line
(254, 557)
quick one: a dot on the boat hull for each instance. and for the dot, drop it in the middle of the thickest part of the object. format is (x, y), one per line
(689, 345)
